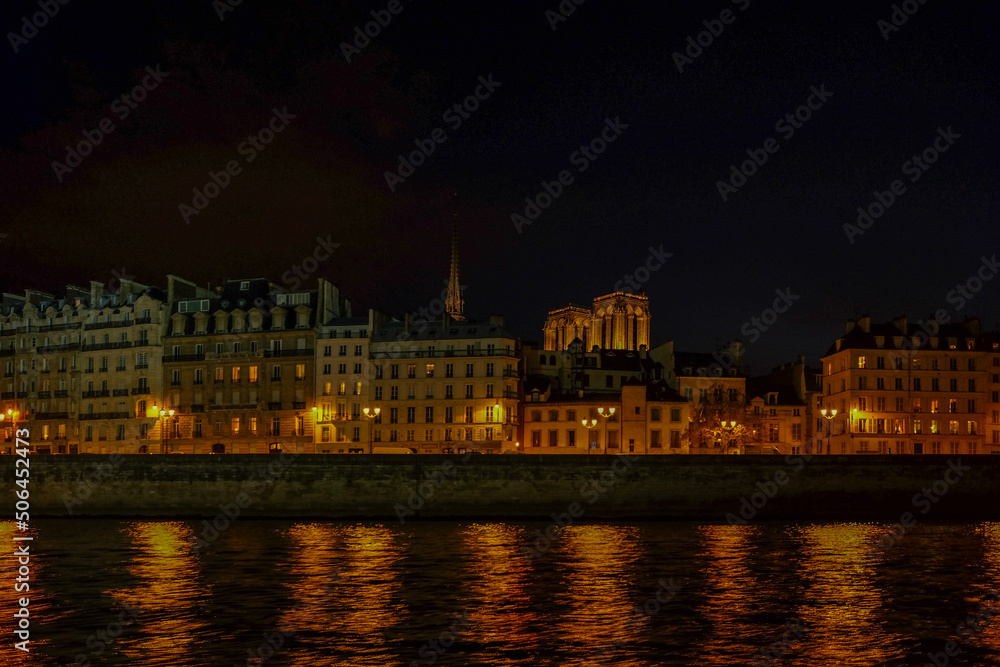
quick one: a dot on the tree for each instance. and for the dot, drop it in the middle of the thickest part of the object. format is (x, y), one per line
(720, 421)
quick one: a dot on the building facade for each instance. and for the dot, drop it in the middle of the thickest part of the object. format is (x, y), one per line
(904, 388)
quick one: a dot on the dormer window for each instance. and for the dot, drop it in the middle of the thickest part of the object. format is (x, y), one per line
(244, 285)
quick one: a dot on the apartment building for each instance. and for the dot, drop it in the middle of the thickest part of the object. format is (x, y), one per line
(239, 368)
(447, 386)
(903, 388)
(79, 369)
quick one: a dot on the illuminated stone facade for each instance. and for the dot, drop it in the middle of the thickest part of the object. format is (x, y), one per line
(616, 321)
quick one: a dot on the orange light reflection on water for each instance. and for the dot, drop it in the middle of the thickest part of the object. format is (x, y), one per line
(315, 566)
(729, 588)
(504, 612)
(598, 600)
(167, 593)
(368, 587)
(841, 606)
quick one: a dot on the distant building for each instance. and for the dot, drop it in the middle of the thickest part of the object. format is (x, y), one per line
(780, 408)
(616, 321)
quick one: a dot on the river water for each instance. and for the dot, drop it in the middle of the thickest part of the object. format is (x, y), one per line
(110, 592)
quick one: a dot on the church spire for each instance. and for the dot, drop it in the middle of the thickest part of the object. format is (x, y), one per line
(455, 304)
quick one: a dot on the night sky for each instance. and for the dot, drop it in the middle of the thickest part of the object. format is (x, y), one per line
(610, 67)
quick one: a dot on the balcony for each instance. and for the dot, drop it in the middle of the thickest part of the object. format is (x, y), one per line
(175, 358)
(141, 367)
(119, 392)
(120, 345)
(49, 349)
(7, 396)
(22, 394)
(102, 393)
(271, 354)
(62, 393)
(143, 320)
(274, 406)
(50, 415)
(198, 408)
(7, 352)
(90, 416)
(45, 394)
(140, 391)
(90, 326)
(65, 326)
(299, 405)
(510, 373)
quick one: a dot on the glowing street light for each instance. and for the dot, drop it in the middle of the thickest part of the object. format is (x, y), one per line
(372, 414)
(828, 415)
(589, 424)
(606, 416)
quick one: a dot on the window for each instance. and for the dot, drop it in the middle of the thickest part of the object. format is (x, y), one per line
(861, 362)
(553, 438)
(935, 384)
(393, 415)
(429, 370)
(468, 391)
(275, 426)
(675, 439)
(327, 368)
(300, 371)
(489, 369)
(236, 374)
(468, 414)
(411, 371)
(429, 415)
(342, 351)
(536, 438)
(252, 373)
(275, 373)
(916, 384)
(411, 415)
(235, 426)
(394, 372)
(394, 393)
(489, 390)
(862, 382)
(796, 431)
(449, 370)
(357, 351)
(880, 363)
(468, 370)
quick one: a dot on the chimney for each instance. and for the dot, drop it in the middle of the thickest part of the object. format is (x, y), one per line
(850, 326)
(96, 292)
(497, 320)
(901, 324)
(407, 321)
(865, 323)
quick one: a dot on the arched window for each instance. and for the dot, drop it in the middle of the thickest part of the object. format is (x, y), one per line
(140, 408)
(274, 448)
(218, 448)
(143, 449)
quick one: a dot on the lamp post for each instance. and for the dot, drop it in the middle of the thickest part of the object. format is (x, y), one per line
(163, 434)
(828, 415)
(372, 415)
(606, 417)
(589, 424)
(11, 417)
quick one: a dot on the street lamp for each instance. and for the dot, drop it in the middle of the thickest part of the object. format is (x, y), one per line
(606, 417)
(11, 417)
(589, 424)
(828, 415)
(163, 435)
(372, 415)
